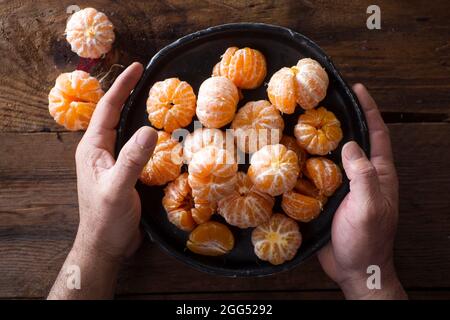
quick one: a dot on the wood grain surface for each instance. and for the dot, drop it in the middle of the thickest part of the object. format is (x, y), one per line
(406, 65)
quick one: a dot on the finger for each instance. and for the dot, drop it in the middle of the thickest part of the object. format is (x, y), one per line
(380, 141)
(107, 112)
(133, 156)
(364, 183)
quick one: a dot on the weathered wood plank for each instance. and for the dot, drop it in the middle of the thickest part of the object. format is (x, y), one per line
(38, 220)
(406, 63)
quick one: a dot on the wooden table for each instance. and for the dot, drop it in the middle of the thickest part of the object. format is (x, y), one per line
(406, 65)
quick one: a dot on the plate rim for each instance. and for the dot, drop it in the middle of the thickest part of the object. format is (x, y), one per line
(296, 36)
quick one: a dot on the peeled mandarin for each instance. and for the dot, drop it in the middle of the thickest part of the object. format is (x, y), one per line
(90, 33)
(212, 175)
(274, 169)
(246, 67)
(217, 102)
(171, 104)
(318, 131)
(73, 99)
(201, 138)
(245, 207)
(257, 124)
(281, 90)
(211, 239)
(291, 144)
(165, 163)
(178, 203)
(324, 173)
(277, 240)
(311, 83)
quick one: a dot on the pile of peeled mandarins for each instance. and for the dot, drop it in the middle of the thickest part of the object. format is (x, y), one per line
(289, 166)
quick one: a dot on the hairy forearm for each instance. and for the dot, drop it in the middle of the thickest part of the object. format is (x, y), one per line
(97, 275)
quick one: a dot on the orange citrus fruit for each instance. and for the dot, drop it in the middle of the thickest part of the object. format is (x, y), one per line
(311, 83)
(307, 188)
(291, 144)
(212, 175)
(324, 173)
(318, 131)
(256, 124)
(281, 90)
(274, 169)
(277, 240)
(165, 163)
(90, 33)
(245, 207)
(217, 101)
(200, 138)
(178, 203)
(211, 239)
(171, 104)
(73, 99)
(245, 67)
(299, 206)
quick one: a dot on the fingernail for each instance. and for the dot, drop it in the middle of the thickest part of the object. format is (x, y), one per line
(352, 151)
(146, 137)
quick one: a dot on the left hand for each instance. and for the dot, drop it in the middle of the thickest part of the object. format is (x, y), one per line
(109, 204)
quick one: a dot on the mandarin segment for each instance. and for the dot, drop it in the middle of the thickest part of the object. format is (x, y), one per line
(178, 203)
(217, 102)
(300, 207)
(212, 175)
(71, 102)
(201, 138)
(307, 188)
(90, 33)
(318, 131)
(277, 240)
(281, 90)
(257, 124)
(171, 104)
(245, 207)
(165, 163)
(246, 67)
(211, 239)
(324, 173)
(274, 169)
(311, 83)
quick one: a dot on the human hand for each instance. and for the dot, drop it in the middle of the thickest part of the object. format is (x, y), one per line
(365, 223)
(109, 204)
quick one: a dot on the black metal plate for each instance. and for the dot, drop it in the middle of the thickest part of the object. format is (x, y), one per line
(191, 59)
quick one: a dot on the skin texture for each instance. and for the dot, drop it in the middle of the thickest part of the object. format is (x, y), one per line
(364, 225)
(109, 204)
(363, 228)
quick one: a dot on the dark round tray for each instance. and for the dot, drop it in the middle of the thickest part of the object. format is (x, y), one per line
(191, 58)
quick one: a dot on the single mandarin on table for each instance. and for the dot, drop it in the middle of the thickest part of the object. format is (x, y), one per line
(211, 239)
(318, 131)
(90, 33)
(274, 169)
(200, 138)
(281, 90)
(277, 240)
(324, 173)
(165, 163)
(311, 83)
(245, 207)
(178, 203)
(73, 99)
(246, 67)
(171, 104)
(257, 124)
(291, 144)
(217, 102)
(212, 176)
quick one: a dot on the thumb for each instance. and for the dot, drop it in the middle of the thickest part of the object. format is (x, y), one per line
(133, 157)
(364, 183)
